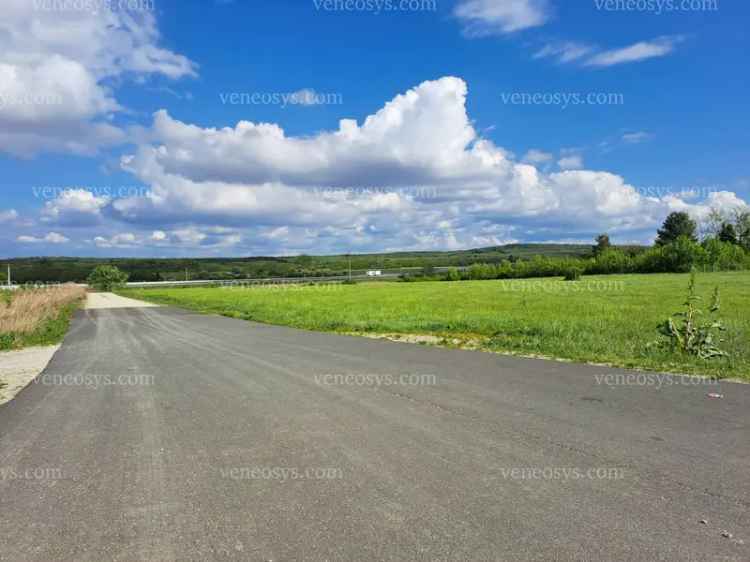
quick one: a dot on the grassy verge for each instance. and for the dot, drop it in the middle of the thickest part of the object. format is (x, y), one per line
(37, 316)
(608, 319)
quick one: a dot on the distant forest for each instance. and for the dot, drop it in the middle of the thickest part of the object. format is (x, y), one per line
(54, 269)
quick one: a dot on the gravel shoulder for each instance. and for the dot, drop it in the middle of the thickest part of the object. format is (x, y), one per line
(19, 368)
(99, 301)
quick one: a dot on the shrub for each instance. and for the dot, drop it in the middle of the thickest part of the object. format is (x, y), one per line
(453, 274)
(723, 256)
(611, 261)
(573, 273)
(678, 257)
(682, 255)
(107, 278)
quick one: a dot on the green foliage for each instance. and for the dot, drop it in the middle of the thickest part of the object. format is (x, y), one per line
(724, 256)
(727, 233)
(611, 261)
(602, 244)
(694, 331)
(107, 278)
(573, 273)
(680, 256)
(742, 228)
(677, 225)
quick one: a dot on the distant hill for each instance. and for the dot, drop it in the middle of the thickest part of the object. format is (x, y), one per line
(54, 269)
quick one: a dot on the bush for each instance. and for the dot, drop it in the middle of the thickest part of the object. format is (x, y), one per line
(610, 261)
(682, 255)
(453, 274)
(723, 256)
(573, 273)
(107, 278)
(678, 257)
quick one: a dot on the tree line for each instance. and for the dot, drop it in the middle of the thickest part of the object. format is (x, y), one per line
(723, 245)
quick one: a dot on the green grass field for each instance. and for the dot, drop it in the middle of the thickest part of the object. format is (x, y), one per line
(607, 319)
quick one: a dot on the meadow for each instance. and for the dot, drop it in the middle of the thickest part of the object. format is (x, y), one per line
(603, 319)
(37, 316)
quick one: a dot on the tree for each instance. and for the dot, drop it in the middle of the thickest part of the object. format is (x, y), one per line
(675, 226)
(711, 224)
(727, 233)
(454, 274)
(742, 228)
(107, 278)
(602, 244)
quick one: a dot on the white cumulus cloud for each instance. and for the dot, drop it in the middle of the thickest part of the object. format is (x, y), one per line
(74, 207)
(50, 238)
(57, 69)
(415, 174)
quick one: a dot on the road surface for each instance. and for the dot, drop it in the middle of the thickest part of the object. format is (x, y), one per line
(157, 434)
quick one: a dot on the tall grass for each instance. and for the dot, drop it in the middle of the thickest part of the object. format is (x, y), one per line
(37, 316)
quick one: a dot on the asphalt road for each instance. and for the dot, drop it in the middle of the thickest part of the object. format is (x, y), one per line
(184, 437)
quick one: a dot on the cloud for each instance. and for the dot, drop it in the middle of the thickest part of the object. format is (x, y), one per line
(413, 175)
(565, 52)
(420, 134)
(187, 237)
(50, 238)
(481, 18)
(643, 50)
(636, 137)
(74, 207)
(491, 17)
(57, 70)
(121, 240)
(574, 162)
(535, 156)
(593, 56)
(8, 216)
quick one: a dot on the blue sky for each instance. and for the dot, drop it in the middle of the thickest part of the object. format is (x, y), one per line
(474, 135)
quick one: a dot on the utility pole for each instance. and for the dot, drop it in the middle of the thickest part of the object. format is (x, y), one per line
(8, 276)
(350, 267)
